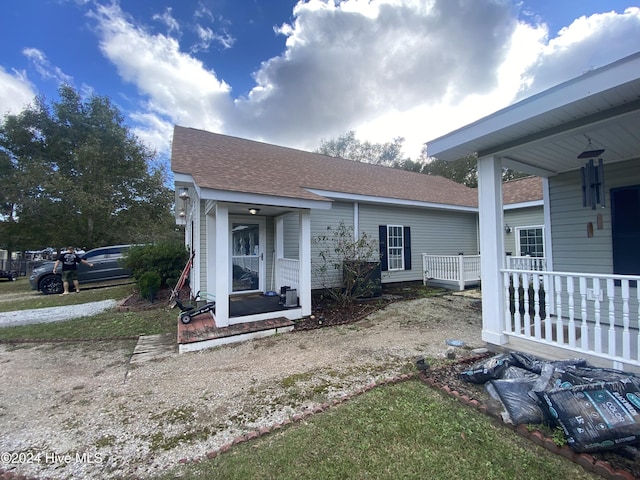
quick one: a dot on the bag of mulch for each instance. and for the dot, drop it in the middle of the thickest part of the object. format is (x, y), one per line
(555, 375)
(512, 373)
(517, 406)
(485, 370)
(535, 364)
(596, 416)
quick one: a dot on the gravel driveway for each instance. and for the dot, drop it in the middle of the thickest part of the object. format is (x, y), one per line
(54, 314)
(86, 412)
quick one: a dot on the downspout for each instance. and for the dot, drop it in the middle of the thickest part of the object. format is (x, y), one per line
(356, 221)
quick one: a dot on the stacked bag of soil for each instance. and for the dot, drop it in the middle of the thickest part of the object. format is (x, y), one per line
(597, 408)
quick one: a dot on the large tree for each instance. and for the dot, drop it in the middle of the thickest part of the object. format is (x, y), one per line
(349, 147)
(78, 176)
(463, 170)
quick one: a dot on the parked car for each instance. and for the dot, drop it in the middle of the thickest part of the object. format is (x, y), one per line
(9, 275)
(106, 266)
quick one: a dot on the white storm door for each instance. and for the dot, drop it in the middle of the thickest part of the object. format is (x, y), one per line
(247, 254)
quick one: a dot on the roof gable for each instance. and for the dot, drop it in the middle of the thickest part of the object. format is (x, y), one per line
(226, 163)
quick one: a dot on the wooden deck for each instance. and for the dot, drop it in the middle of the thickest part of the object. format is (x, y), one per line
(202, 332)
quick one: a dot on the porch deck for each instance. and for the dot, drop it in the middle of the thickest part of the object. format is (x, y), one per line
(202, 332)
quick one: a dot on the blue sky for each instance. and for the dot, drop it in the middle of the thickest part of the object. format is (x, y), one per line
(294, 73)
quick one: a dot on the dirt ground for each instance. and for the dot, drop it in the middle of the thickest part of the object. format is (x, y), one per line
(82, 410)
(86, 403)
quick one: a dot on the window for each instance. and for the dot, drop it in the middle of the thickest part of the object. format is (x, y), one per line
(530, 241)
(395, 247)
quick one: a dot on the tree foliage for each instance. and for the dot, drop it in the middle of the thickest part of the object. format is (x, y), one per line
(349, 147)
(463, 170)
(73, 174)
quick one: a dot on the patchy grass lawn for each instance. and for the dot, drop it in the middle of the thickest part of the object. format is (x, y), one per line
(407, 430)
(19, 296)
(16, 296)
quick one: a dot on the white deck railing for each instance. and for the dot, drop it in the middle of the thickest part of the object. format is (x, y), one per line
(538, 264)
(457, 269)
(590, 314)
(288, 272)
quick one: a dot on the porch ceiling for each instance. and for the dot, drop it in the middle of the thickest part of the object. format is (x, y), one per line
(544, 134)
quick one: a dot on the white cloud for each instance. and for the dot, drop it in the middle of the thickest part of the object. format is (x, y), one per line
(206, 36)
(16, 93)
(168, 19)
(588, 43)
(179, 88)
(352, 64)
(385, 68)
(45, 68)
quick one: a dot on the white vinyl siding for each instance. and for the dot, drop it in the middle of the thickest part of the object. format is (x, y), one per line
(395, 247)
(573, 250)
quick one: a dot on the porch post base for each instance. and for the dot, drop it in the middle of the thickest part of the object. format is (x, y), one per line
(494, 338)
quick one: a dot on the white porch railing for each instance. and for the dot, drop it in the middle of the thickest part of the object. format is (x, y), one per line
(538, 264)
(590, 314)
(288, 272)
(458, 269)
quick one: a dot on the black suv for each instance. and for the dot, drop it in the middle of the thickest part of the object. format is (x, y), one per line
(106, 266)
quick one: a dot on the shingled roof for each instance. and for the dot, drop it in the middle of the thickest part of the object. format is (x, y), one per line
(221, 162)
(522, 190)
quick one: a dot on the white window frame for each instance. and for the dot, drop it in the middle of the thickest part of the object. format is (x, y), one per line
(517, 232)
(392, 258)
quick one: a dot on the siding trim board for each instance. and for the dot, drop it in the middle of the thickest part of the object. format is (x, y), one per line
(371, 199)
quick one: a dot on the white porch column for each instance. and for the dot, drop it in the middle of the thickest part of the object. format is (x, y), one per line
(305, 262)
(222, 252)
(210, 238)
(279, 250)
(491, 248)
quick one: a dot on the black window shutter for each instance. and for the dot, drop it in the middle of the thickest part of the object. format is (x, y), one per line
(382, 233)
(407, 248)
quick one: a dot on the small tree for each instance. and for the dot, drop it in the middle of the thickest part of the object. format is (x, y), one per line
(348, 262)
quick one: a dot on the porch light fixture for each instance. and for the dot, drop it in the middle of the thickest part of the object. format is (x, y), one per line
(507, 229)
(592, 175)
(254, 211)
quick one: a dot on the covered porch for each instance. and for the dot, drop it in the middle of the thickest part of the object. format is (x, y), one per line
(247, 258)
(582, 138)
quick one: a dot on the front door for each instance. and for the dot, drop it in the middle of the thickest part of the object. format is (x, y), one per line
(247, 254)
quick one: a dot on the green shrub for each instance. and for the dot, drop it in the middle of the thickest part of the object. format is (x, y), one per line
(149, 284)
(167, 259)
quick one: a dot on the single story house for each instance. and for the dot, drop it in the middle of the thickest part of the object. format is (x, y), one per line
(582, 138)
(252, 210)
